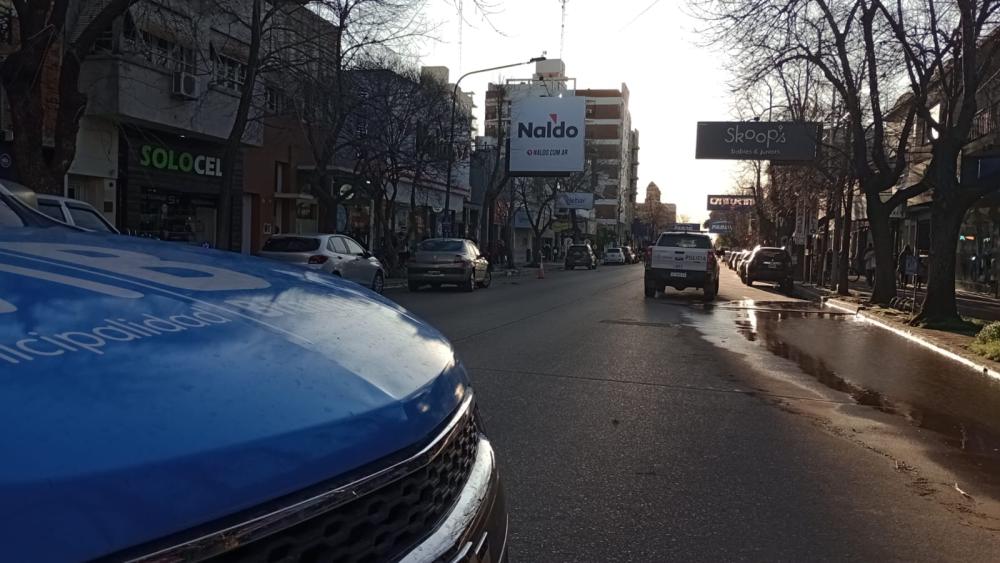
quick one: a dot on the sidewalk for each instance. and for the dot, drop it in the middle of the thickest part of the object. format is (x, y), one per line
(954, 345)
(970, 305)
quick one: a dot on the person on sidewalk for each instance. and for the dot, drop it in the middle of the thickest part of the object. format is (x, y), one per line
(901, 265)
(870, 264)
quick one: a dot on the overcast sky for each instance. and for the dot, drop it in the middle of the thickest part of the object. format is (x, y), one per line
(673, 82)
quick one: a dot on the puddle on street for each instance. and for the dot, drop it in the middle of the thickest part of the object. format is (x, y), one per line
(876, 368)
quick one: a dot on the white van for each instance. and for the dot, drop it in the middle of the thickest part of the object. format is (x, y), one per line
(75, 213)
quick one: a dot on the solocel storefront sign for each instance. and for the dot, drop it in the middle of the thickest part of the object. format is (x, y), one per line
(162, 158)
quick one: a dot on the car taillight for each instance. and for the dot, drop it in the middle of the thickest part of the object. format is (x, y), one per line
(318, 259)
(649, 255)
(711, 261)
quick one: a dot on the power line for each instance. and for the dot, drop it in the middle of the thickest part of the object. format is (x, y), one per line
(640, 14)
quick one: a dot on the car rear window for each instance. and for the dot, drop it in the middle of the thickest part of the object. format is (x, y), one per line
(52, 209)
(614, 250)
(291, 244)
(772, 255)
(578, 248)
(87, 218)
(441, 246)
(684, 241)
(8, 218)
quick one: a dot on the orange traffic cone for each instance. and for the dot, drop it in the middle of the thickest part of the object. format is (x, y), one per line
(541, 270)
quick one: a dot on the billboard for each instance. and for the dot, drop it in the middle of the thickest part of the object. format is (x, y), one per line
(547, 136)
(720, 227)
(730, 202)
(757, 140)
(575, 200)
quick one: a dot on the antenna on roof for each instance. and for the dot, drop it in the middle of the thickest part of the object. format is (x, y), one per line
(562, 29)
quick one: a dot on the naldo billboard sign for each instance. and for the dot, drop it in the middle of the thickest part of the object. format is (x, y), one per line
(547, 136)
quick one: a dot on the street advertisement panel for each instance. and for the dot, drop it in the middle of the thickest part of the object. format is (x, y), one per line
(730, 202)
(547, 136)
(575, 200)
(720, 227)
(684, 227)
(757, 140)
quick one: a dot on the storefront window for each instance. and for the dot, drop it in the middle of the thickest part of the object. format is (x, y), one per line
(175, 216)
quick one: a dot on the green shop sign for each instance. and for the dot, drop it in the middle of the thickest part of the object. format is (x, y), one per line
(168, 159)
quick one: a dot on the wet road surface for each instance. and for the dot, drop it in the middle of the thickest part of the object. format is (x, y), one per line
(756, 428)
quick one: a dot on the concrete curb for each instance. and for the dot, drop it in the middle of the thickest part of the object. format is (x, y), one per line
(950, 352)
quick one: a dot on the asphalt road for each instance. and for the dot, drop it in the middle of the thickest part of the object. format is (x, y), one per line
(631, 429)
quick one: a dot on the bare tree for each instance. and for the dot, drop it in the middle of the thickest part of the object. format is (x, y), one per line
(950, 48)
(41, 76)
(852, 47)
(537, 198)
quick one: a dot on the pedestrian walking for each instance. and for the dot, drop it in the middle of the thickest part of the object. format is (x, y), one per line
(901, 262)
(869, 258)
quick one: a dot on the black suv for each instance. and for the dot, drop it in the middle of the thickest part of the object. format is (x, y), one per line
(769, 265)
(580, 255)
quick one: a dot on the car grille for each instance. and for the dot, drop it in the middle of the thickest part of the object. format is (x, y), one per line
(382, 525)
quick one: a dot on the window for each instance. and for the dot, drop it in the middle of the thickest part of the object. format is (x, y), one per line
(291, 244)
(337, 245)
(52, 209)
(230, 73)
(6, 25)
(164, 52)
(440, 245)
(275, 100)
(8, 218)
(87, 218)
(353, 247)
(684, 241)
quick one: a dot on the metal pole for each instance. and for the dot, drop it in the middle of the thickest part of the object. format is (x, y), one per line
(451, 132)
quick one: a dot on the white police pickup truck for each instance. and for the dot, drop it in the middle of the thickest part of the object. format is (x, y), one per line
(682, 260)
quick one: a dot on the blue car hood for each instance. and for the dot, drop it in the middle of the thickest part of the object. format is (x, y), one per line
(147, 387)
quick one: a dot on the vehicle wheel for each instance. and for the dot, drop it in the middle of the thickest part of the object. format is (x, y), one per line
(378, 283)
(470, 285)
(413, 286)
(487, 279)
(711, 291)
(650, 291)
(749, 281)
(567, 267)
(788, 286)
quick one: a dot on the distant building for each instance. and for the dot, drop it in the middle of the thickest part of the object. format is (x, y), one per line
(654, 214)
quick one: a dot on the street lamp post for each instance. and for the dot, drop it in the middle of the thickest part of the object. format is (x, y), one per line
(451, 133)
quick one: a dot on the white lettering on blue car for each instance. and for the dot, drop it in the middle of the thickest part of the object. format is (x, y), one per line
(145, 267)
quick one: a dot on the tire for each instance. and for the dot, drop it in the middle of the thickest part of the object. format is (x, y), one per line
(788, 286)
(413, 286)
(749, 281)
(567, 267)
(487, 280)
(650, 292)
(378, 283)
(470, 285)
(710, 292)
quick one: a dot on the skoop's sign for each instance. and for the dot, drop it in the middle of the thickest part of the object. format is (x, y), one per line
(757, 140)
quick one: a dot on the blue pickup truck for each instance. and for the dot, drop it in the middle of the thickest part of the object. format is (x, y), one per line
(161, 402)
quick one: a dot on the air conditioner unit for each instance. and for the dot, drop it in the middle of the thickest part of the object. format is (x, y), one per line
(185, 86)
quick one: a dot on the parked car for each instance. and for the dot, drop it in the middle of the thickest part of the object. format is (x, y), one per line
(75, 213)
(452, 261)
(741, 260)
(578, 255)
(165, 402)
(769, 264)
(334, 254)
(615, 256)
(682, 260)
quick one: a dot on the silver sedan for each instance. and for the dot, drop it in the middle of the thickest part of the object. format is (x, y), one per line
(335, 254)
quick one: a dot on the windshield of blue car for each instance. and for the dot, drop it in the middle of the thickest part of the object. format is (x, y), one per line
(291, 244)
(441, 246)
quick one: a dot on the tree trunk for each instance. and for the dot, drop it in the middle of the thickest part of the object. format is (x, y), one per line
(838, 221)
(885, 263)
(939, 303)
(843, 283)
